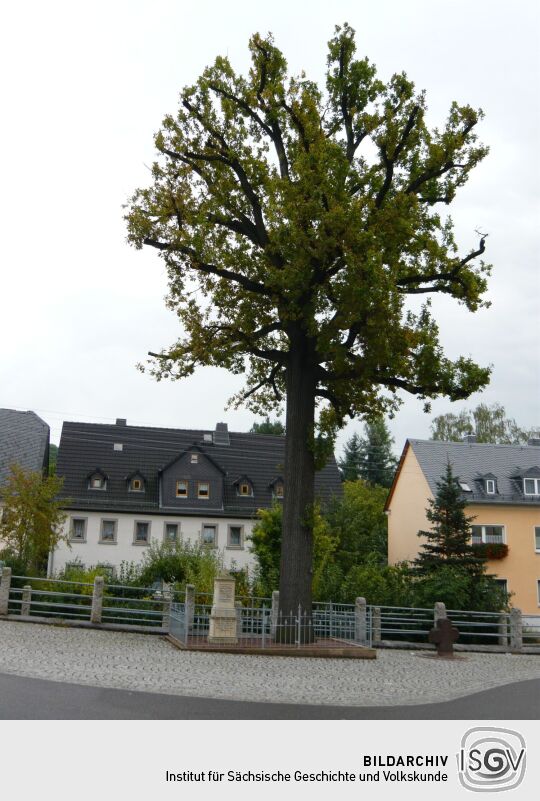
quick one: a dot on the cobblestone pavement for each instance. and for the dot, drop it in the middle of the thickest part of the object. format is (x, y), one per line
(150, 663)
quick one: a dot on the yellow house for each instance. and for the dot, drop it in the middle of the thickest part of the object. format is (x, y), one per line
(501, 484)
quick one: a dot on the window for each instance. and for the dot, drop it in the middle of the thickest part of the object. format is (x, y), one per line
(97, 482)
(464, 486)
(194, 458)
(136, 485)
(531, 486)
(78, 529)
(106, 570)
(502, 583)
(278, 489)
(235, 538)
(203, 490)
(141, 534)
(181, 489)
(74, 566)
(537, 539)
(490, 486)
(209, 535)
(108, 531)
(171, 532)
(487, 534)
(244, 488)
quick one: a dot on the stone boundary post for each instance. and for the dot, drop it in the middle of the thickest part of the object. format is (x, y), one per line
(360, 621)
(439, 612)
(189, 606)
(503, 630)
(274, 613)
(376, 623)
(5, 585)
(167, 601)
(97, 600)
(26, 599)
(516, 629)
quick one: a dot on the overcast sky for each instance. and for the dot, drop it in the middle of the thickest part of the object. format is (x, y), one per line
(85, 87)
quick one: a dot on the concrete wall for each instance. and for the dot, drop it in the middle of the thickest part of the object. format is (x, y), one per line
(521, 568)
(92, 551)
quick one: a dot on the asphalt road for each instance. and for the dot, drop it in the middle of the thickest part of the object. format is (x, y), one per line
(35, 699)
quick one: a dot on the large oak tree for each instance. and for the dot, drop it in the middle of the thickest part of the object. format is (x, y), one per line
(295, 222)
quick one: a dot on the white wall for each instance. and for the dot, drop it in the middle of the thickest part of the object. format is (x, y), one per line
(93, 552)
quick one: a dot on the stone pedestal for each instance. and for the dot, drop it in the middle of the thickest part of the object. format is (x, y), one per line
(223, 630)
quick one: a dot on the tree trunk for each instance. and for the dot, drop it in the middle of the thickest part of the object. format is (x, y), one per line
(296, 570)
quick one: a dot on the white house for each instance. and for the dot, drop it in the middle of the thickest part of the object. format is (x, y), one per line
(126, 486)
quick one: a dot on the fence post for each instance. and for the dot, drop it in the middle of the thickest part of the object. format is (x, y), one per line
(360, 629)
(263, 638)
(439, 612)
(97, 600)
(503, 629)
(167, 601)
(5, 585)
(376, 624)
(189, 606)
(516, 629)
(238, 606)
(26, 599)
(274, 612)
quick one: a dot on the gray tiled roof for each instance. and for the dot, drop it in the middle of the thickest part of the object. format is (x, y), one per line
(87, 446)
(472, 462)
(24, 440)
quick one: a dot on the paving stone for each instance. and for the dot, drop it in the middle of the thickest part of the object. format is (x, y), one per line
(150, 663)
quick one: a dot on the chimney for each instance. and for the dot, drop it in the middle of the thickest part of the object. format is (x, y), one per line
(221, 434)
(534, 441)
(469, 439)
(121, 421)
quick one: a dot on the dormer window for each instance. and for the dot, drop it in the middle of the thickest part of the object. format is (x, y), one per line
(244, 487)
(181, 489)
(136, 485)
(531, 486)
(464, 486)
(194, 458)
(97, 481)
(278, 489)
(203, 490)
(491, 486)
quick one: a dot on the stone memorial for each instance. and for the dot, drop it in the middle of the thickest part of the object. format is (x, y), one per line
(223, 629)
(444, 637)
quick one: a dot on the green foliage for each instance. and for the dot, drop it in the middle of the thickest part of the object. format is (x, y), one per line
(448, 542)
(305, 217)
(384, 585)
(266, 546)
(351, 463)
(378, 463)
(180, 563)
(32, 519)
(488, 423)
(459, 590)
(274, 427)
(358, 522)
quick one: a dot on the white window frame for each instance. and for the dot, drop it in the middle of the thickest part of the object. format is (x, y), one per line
(240, 546)
(194, 458)
(171, 523)
(204, 484)
(275, 493)
(491, 483)
(215, 527)
(114, 541)
(72, 527)
(147, 523)
(536, 484)
(132, 481)
(103, 485)
(536, 538)
(483, 526)
(182, 481)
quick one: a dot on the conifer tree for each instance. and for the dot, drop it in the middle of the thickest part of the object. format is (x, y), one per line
(378, 462)
(351, 463)
(449, 539)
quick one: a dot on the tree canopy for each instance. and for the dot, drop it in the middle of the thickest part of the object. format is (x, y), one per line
(370, 457)
(268, 426)
(295, 222)
(487, 423)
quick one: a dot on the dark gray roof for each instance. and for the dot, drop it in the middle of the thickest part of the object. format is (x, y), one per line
(473, 462)
(24, 440)
(85, 447)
